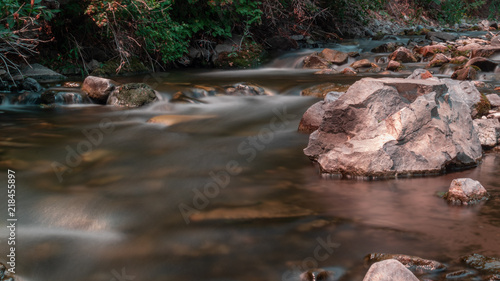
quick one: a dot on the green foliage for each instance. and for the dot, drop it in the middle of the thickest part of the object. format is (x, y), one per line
(164, 28)
(20, 27)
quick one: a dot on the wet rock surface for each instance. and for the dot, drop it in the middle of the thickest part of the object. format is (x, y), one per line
(488, 131)
(482, 263)
(98, 89)
(132, 95)
(392, 127)
(465, 191)
(415, 264)
(389, 270)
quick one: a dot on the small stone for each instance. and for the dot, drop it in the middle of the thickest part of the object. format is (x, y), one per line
(316, 62)
(494, 100)
(402, 54)
(459, 60)
(349, 71)
(317, 275)
(420, 73)
(334, 56)
(466, 191)
(389, 270)
(438, 60)
(459, 274)
(428, 51)
(361, 64)
(393, 65)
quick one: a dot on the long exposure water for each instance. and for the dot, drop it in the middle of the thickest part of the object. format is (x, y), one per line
(224, 192)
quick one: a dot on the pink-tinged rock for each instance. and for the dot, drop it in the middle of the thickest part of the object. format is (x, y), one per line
(389, 270)
(428, 51)
(465, 191)
(98, 89)
(402, 54)
(393, 65)
(488, 132)
(482, 63)
(494, 100)
(438, 60)
(334, 56)
(394, 127)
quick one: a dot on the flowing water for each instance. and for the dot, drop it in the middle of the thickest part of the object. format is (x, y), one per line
(223, 192)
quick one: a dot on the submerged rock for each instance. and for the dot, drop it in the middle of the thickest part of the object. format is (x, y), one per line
(420, 73)
(391, 127)
(441, 36)
(132, 95)
(389, 270)
(415, 264)
(317, 275)
(482, 263)
(465, 191)
(247, 89)
(98, 89)
(388, 47)
(321, 90)
(460, 274)
(488, 131)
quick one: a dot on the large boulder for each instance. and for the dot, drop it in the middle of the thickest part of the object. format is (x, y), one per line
(488, 131)
(393, 127)
(98, 89)
(132, 95)
(389, 270)
(465, 191)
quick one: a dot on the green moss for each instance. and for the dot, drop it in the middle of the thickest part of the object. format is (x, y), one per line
(249, 55)
(483, 106)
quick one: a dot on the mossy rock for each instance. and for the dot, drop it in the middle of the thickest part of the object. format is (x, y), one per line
(132, 95)
(134, 66)
(249, 55)
(483, 106)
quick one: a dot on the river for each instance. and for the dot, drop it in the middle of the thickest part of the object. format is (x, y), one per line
(224, 192)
